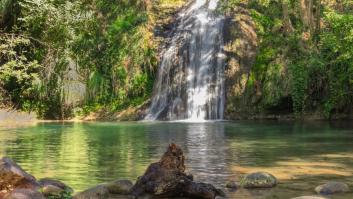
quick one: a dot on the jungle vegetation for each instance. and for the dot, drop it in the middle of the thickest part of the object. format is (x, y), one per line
(107, 51)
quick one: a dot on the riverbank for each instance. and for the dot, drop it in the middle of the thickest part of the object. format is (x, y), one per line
(14, 118)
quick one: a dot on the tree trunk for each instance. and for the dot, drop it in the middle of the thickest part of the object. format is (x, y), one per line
(287, 24)
(167, 179)
(306, 11)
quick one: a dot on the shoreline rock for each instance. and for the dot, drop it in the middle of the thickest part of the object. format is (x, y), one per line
(15, 183)
(12, 177)
(119, 187)
(258, 180)
(96, 192)
(25, 194)
(332, 188)
(101, 191)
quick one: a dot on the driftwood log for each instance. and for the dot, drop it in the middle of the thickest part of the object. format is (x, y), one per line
(167, 178)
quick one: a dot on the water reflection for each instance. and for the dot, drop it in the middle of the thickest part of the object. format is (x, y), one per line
(207, 151)
(83, 154)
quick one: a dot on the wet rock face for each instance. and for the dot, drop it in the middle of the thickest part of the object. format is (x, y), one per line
(241, 45)
(167, 178)
(13, 177)
(332, 188)
(258, 180)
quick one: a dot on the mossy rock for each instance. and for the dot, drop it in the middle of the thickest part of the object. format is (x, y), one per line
(258, 180)
(231, 185)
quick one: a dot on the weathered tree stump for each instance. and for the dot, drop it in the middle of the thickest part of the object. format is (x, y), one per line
(167, 178)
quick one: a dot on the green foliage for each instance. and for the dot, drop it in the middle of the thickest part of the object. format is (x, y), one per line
(336, 47)
(299, 80)
(112, 44)
(120, 54)
(63, 195)
(128, 21)
(110, 41)
(312, 69)
(19, 75)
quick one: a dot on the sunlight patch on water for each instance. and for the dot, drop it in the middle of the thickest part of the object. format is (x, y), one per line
(339, 155)
(298, 168)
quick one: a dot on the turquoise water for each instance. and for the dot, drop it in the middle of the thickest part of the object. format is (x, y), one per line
(301, 155)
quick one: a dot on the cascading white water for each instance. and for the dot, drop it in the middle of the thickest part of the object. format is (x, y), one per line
(190, 82)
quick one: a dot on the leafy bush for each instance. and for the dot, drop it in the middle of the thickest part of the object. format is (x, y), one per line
(19, 75)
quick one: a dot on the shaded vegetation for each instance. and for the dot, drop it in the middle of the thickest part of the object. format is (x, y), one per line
(304, 55)
(47, 46)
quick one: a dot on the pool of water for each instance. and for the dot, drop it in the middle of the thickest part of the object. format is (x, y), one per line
(300, 155)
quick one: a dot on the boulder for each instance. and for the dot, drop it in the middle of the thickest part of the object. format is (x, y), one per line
(258, 180)
(119, 186)
(167, 178)
(309, 197)
(24, 194)
(332, 188)
(51, 190)
(13, 177)
(97, 192)
(231, 185)
(53, 187)
(49, 181)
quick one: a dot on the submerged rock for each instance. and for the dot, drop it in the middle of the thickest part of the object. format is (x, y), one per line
(332, 188)
(97, 192)
(119, 186)
(24, 194)
(258, 180)
(167, 178)
(13, 177)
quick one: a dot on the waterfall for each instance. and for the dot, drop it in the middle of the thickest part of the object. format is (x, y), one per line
(190, 81)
